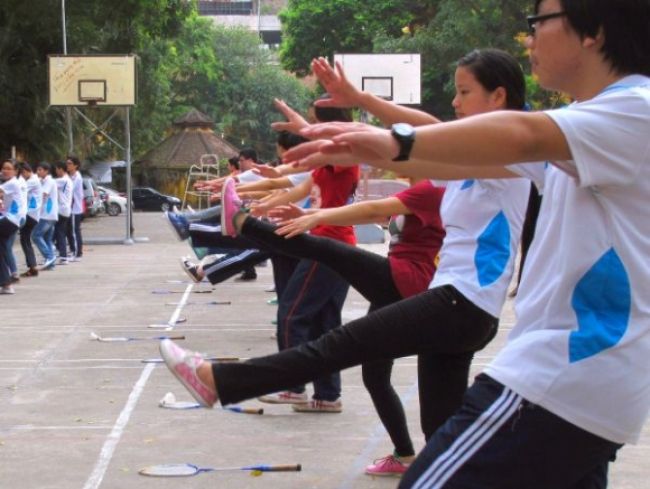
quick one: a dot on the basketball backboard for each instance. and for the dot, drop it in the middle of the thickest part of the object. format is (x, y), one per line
(394, 77)
(92, 80)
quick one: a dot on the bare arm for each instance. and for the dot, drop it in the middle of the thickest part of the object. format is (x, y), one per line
(359, 213)
(475, 147)
(297, 193)
(344, 94)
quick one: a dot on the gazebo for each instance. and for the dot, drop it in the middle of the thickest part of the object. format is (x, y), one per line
(166, 166)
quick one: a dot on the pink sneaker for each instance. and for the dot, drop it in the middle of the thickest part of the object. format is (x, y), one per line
(388, 466)
(183, 364)
(230, 205)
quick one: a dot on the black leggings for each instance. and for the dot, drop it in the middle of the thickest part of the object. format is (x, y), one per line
(442, 370)
(370, 274)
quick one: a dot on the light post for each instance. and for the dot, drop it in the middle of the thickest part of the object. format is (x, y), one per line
(68, 111)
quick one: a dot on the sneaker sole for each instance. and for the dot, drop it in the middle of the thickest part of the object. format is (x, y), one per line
(189, 274)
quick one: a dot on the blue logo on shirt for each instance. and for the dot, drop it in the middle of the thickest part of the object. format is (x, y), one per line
(49, 205)
(493, 250)
(32, 202)
(467, 184)
(601, 301)
(14, 208)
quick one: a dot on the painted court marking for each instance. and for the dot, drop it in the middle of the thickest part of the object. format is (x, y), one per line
(114, 437)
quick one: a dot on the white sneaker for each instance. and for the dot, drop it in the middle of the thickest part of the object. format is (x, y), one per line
(7, 290)
(319, 406)
(285, 397)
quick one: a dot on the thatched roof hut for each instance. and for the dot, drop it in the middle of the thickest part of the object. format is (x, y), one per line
(166, 166)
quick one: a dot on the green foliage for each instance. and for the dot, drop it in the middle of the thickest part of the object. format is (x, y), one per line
(184, 62)
(312, 28)
(457, 28)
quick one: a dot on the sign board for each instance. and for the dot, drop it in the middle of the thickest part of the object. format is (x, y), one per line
(92, 80)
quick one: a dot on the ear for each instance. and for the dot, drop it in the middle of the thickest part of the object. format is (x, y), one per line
(597, 41)
(499, 97)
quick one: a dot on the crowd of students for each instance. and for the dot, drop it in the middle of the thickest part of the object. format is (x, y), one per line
(570, 386)
(45, 206)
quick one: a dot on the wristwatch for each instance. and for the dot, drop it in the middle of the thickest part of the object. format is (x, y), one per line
(405, 136)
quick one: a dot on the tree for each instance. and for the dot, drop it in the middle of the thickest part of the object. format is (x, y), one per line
(32, 30)
(313, 28)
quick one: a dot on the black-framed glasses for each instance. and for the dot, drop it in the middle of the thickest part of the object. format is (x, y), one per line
(534, 19)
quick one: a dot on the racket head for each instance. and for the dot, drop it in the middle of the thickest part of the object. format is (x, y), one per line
(180, 405)
(170, 470)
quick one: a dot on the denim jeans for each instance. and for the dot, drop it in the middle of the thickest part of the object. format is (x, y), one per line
(42, 238)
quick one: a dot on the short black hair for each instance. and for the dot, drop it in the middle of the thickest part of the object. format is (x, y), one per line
(625, 25)
(288, 140)
(45, 166)
(494, 68)
(331, 114)
(234, 161)
(60, 165)
(24, 166)
(75, 161)
(248, 154)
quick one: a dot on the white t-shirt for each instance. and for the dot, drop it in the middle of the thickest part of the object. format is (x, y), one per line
(581, 345)
(12, 201)
(23, 199)
(50, 207)
(34, 197)
(249, 176)
(77, 193)
(64, 188)
(483, 221)
(296, 179)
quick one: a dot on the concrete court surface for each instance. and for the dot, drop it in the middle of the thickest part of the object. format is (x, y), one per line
(80, 414)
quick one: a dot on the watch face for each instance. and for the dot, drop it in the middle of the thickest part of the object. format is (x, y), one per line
(402, 129)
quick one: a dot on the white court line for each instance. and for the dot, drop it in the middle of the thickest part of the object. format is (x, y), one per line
(108, 449)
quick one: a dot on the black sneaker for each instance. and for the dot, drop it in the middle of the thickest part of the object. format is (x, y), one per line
(179, 225)
(192, 269)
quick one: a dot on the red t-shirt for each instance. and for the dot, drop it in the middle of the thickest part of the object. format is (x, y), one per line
(416, 238)
(337, 185)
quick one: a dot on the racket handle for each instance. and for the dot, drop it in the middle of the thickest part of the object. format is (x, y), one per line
(237, 409)
(181, 337)
(280, 468)
(224, 359)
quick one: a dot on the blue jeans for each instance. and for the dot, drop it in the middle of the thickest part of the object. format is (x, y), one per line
(9, 254)
(42, 237)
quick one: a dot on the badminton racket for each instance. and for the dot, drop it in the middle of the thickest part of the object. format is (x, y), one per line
(112, 339)
(169, 324)
(188, 470)
(209, 303)
(163, 291)
(209, 359)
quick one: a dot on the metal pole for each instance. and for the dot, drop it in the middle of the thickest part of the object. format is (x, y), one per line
(68, 112)
(127, 152)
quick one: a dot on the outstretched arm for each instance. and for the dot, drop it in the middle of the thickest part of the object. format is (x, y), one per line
(343, 94)
(475, 147)
(358, 213)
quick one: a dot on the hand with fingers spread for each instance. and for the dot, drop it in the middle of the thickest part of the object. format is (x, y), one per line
(284, 213)
(295, 122)
(266, 171)
(299, 225)
(347, 143)
(213, 185)
(341, 92)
